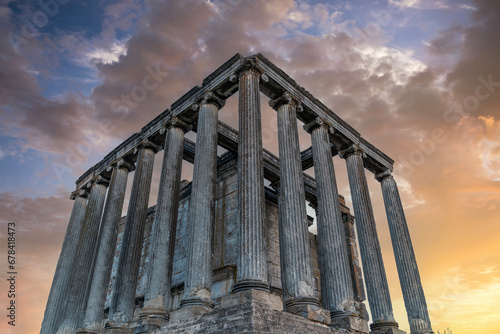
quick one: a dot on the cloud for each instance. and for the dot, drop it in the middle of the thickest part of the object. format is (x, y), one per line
(390, 95)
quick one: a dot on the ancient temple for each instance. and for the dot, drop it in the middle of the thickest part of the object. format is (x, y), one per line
(231, 251)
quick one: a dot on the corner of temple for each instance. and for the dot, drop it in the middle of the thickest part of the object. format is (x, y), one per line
(316, 123)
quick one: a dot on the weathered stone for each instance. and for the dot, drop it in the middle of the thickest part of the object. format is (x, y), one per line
(230, 235)
(373, 264)
(387, 330)
(336, 287)
(65, 263)
(82, 270)
(310, 312)
(252, 268)
(409, 277)
(157, 298)
(252, 296)
(123, 300)
(352, 323)
(296, 275)
(106, 246)
(198, 284)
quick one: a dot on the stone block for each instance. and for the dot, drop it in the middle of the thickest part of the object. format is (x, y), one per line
(189, 312)
(117, 331)
(87, 331)
(385, 330)
(310, 312)
(252, 296)
(148, 324)
(352, 323)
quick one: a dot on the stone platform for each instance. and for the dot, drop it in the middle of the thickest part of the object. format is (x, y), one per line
(247, 315)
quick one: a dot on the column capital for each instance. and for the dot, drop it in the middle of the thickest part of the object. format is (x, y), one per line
(121, 163)
(146, 143)
(99, 179)
(210, 97)
(386, 174)
(285, 98)
(176, 122)
(318, 122)
(249, 66)
(79, 193)
(353, 149)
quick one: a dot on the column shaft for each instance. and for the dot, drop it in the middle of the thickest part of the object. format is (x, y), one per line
(294, 235)
(252, 258)
(198, 284)
(83, 260)
(64, 264)
(409, 276)
(158, 293)
(373, 264)
(336, 286)
(123, 299)
(105, 250)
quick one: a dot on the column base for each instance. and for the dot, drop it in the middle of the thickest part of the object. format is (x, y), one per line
(251, 285)
(192, 307)
(351, 323)
(88, 331)
(154, 313)
(420, 326)
(308, 308)
(113, 327)
(387, 327)
(252, 296)
(148, 324)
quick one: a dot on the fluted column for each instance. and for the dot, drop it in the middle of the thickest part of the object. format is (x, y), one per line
(336, 286)
(83, 260)
(198, 284)
(157, 298)
(373, 264)
(409, 277)
(94, 313)
(295, 251)
(123, 300)
(252, 258)
(64, 264)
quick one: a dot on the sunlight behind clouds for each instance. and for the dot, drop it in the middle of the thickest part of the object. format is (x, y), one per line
(106, 55)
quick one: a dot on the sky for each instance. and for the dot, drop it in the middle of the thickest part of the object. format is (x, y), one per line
(419, 79)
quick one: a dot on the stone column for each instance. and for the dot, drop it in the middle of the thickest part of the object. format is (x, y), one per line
(123, 300)
(373, 265)
(336, 286)
(198, 284)
(83, 260)
(409, 277)
(252, 256)
(64, 264)
(295, 251)
(157, 298)
(276, 186)
(94, 314)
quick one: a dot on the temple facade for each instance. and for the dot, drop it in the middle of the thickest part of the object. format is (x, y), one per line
(231, 251)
